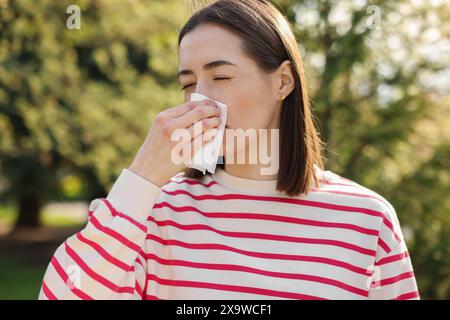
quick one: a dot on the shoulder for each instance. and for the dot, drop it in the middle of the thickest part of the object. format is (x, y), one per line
(354, 194)
(181, 184)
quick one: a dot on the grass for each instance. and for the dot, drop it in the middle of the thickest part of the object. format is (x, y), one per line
(19, 280)
(7, 214)
(60, 219)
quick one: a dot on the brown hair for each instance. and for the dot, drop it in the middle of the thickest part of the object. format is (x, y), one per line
(269, 40)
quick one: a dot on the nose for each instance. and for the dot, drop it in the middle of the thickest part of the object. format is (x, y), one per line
(203, 89)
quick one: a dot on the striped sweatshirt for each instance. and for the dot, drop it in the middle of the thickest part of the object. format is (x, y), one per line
(226, 237)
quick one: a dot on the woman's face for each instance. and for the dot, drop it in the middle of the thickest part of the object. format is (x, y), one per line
(251, 94)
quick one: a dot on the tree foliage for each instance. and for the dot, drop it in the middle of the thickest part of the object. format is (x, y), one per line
(81, 101)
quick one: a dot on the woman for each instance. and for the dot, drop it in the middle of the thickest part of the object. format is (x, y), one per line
(300, 232)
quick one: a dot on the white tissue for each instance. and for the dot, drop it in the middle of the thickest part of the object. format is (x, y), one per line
(206, 158)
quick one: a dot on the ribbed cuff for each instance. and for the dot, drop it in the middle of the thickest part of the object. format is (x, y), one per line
(133, 195)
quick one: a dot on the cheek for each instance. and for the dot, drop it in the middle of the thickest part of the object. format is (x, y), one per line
(250, 107)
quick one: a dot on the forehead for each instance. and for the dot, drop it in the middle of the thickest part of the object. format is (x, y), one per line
(209, 42)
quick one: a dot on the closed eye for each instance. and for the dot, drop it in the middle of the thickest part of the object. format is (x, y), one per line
(188, 85)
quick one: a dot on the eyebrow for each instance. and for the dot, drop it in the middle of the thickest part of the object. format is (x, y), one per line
(208, 66)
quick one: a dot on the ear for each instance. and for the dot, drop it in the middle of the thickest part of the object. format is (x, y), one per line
(285, 80)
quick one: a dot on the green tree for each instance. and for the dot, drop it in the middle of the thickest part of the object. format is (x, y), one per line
(380, 92)
(83, 99)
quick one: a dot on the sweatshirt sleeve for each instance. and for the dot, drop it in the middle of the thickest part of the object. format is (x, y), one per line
(392, 275)
(106, 259)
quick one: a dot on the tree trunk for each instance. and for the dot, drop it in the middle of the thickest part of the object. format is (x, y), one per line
(29, 210)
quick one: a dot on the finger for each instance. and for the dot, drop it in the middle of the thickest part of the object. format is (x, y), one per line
(179, 110)
(196, 114)
(202, 125)
(197, 143)
(182, 109)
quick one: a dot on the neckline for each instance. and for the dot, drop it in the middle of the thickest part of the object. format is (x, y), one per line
(252, 186)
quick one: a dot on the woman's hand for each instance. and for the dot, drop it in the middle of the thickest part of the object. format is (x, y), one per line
(153, 160)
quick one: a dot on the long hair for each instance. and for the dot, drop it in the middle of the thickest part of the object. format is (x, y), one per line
(268, 39)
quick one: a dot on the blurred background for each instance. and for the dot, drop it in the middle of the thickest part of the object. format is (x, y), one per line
(78, 95)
